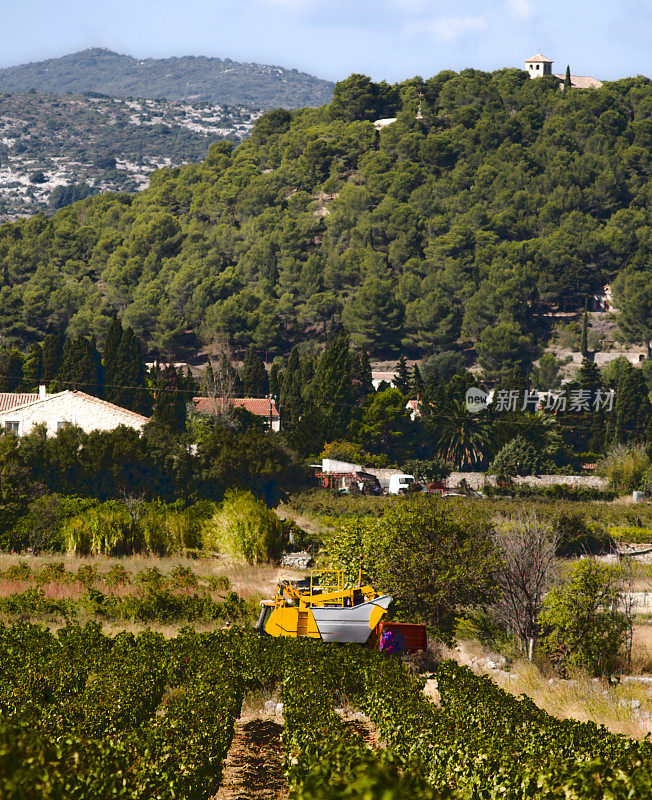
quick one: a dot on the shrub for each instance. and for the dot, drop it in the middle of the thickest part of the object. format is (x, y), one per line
(626, 467)
(578, 537)
(183, 577)
(630, 534)
(517, 457)
(108, 529)
(115, 529)
(116, 576)
(581, 622)
(245, 529)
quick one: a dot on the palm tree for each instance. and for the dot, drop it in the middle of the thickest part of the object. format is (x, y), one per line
(462, 437)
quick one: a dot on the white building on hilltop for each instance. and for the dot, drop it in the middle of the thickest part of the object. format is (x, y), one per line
(539, 65)
(20, 413)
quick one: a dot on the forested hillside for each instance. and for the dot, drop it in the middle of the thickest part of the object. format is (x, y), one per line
(491, 201)
(214, 80)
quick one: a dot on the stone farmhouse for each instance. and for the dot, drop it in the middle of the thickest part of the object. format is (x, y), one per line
(539, 65)
(258, 406)
(20, 413)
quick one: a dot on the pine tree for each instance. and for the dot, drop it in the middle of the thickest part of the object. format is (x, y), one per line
(567, 79)
(52, 351)
(584, 346)
(255, 382)
(402, 376)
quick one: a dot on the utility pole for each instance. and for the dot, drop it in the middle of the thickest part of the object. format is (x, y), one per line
(270, 397)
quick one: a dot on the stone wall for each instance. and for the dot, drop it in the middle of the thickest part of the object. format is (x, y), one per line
(477, 480)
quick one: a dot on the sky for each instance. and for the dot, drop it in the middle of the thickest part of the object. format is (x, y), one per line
(385, 39)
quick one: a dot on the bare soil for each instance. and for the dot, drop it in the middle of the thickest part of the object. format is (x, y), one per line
(363, 727)
(254, 765)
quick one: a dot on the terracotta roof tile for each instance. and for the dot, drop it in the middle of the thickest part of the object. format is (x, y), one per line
(9, 400)
(255, 405)
(32, 399)
(540, 58)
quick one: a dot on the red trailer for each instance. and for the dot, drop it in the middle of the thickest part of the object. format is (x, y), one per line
(408, 636)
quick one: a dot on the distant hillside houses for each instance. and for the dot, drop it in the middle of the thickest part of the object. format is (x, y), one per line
(539, 65)
(20, 413)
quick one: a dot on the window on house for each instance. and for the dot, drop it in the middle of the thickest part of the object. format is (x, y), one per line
(12, 426)
(62, 425)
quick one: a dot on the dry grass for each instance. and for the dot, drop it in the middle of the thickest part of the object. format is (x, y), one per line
(581, 698)
(584, 698)
(250, 582)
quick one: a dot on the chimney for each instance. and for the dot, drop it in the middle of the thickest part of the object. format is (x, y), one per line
(41, 392)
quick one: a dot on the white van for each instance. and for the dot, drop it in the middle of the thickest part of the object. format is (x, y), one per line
(400, 484)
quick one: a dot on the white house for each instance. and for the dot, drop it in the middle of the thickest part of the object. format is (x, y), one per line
(539, 65)
(58, 410)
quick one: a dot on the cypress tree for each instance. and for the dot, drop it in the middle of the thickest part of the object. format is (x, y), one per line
(33, 367)
(111, 345)
(11, 369)
(567, 79)
(52, 350)
(331, 391)
(290, 396)
(418, 386)
(631, 408)
(255, 382)
(402, 377)
(275, 380)
(584, 346)
(169, 403)
(129, 387)
(362, 379)
(80, 366)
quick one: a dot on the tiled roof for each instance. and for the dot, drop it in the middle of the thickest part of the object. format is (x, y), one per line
(9, 400)
(539, 57)
(110, 405)
(33, 399)
(254, 405)
(581, 81)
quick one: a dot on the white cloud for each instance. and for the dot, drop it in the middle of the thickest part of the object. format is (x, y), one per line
(445, 29)
(521, 8)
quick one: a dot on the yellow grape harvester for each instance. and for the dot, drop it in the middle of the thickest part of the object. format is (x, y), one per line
(322, 607)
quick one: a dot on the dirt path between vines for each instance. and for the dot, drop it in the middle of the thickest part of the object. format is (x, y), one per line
(253, 769)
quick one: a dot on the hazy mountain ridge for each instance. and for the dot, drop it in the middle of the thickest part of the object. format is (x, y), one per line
(196, 77)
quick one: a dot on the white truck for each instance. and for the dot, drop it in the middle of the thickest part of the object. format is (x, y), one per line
(400, 484)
